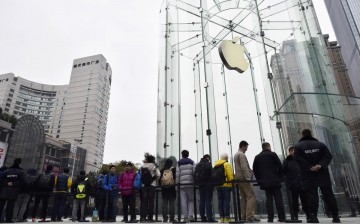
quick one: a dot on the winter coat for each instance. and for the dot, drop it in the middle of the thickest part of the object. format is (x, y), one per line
(168, 192)
(185, 172)
(126, 182)
(268, 170)
(11, 182)
(310, 152)
(110, 183)
(63, 183)
(292, 173)
(228, 172)
(154, 172)
(204, 169)
(81, 179)
(242, 168)
(45, 189)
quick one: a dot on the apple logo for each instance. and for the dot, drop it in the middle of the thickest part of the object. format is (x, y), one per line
(232, 55)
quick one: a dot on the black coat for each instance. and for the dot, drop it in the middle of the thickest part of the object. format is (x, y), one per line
(204, 170)
(11, 182)
(311, 152)
(168, 192)
(292, 173)
(268, 170)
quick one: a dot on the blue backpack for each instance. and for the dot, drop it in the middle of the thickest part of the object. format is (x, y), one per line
(137, 181)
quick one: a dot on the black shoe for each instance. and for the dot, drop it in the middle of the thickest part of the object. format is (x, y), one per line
(142, 220)
(281, 220)
(150, 221)
(270, 220)
(336, 220)
(313, 220)
(165, 220)
(172, 220)
(124, 220)
(204, 219)
(211, 220)
(134, 220)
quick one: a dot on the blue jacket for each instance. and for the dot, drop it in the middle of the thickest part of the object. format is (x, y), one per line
(110, 182)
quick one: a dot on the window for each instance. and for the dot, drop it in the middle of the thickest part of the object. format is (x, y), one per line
(58, 131)
(6, 109)
(79, 65)
(88, 63)
(97, 61)
(11, 90)
(83, 64)
(57, 136)
(75, 66)
(8, 104)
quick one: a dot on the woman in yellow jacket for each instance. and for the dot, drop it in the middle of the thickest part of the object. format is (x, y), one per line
(224, 191)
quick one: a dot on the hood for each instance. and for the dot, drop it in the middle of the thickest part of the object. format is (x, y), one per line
(150, 166)
(16, 166)
(308, 138)
(168, 164)
(219, 162)
(185, 161)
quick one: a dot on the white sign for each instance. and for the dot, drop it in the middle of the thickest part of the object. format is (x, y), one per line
(3, 150)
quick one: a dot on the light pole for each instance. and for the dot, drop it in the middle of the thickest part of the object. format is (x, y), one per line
(78, 141)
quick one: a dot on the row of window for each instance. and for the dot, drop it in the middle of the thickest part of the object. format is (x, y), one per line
(4, 80)
(87, 63)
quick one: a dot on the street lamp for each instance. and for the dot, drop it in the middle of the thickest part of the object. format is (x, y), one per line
(78, 141)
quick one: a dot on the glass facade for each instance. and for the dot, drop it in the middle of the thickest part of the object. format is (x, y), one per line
(204, 108)
(28, 143)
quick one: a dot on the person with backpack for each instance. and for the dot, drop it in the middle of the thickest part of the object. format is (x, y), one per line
(244, 174)
(150, 174)
(44, 186)
(63, 184)
(25, 195)
(11, 182)
(223, 171)
(269, 174)
(168, 192)
(185, 175)
(126, 186)
(202, 176)
(100, 197)
(111, 188)
(80, 188)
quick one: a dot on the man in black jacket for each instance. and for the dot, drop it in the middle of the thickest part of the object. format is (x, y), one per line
(314, 158)
(202, 176)
(11, 182)
(294, 182)
(44, 186)
(268, 172)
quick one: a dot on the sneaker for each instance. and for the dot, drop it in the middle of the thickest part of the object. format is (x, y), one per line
(172, 220)
(227, 219)
(222, 219)
(186, 220)
(165, 220)
(336, 220)
(142, 220)
(33, 219)
(133, 220)
(270, 220)
(124, 220)
(150, 221)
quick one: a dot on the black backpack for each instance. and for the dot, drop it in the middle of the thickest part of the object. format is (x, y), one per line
(44, 181)
(218, 176)
(146, 177)
(201, 174)
(29, 181)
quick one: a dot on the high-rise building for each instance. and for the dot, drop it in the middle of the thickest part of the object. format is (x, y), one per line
(345, 88)
(76, 113)
(345, 18)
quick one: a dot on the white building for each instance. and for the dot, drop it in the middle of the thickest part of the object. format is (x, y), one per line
(68, 112)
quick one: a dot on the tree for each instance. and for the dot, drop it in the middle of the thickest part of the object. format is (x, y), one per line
(119, 166)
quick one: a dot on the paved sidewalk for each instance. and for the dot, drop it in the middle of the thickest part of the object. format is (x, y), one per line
(347, 220)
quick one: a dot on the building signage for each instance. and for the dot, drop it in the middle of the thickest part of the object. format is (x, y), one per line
(3, 150)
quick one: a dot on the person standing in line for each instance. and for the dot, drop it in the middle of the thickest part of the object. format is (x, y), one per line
(294, 183)
(202, 176)
(126, 186)
(314, 158)
(44, 186)
(63, 184)
(150, 174)
(224, 191)
(185, 175)
(11, 182)
(111, 187)
(268, 171)
(80, 189)
(27, 187)
(168, 191)
(100, 195)
(244, 174)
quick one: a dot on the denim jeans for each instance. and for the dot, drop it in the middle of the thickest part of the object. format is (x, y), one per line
(76, 204)
(111, 205)
(206, 194)
(224, 201)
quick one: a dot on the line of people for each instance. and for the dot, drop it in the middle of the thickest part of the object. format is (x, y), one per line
(304, 170)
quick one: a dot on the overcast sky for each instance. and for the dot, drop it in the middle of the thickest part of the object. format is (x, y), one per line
(40, 38)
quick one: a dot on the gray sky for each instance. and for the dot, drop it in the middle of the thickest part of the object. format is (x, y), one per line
(40, 38)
